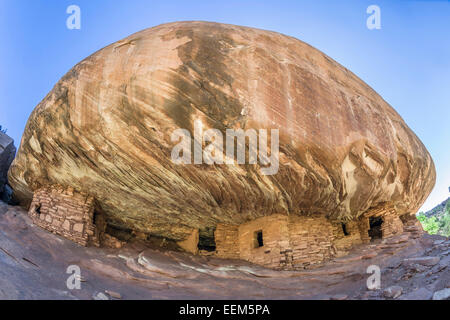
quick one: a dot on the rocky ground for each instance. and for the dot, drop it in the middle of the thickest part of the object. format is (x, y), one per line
(33, 265)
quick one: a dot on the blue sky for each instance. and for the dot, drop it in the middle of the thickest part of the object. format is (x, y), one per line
(407, 62)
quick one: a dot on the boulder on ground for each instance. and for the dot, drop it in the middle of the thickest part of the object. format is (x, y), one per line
(393, 292)
(443, 294)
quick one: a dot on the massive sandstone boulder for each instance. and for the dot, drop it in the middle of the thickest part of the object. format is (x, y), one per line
(105, 129)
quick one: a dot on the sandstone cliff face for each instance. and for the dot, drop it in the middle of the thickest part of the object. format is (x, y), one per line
(106, 127)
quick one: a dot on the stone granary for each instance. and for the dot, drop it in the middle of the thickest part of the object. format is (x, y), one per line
(297, 242)
(65, 212)
(350, 169)
(70, 214)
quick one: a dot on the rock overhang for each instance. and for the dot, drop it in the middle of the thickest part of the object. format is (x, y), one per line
(105, 129)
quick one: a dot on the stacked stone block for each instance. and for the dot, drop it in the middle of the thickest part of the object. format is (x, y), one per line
(298, 242)
(275, 236)
(311, 240)
(65, 212)
(392, 224)
(226, 237)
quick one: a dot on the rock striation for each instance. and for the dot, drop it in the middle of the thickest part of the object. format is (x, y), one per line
(106, 127)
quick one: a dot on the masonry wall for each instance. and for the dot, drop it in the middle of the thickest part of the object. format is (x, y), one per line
(411, 225)
(275, 232)
(298, 242)
(289, 242)
(66, 213)
(364, 226)
(311, 240)
(357, 233)
(392, 224)
(226, 237)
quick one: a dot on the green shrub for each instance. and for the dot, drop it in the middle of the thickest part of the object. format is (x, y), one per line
(430, 225)
(444, 223)
(439, 224)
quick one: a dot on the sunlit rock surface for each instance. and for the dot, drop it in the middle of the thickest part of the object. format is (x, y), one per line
(106, 127)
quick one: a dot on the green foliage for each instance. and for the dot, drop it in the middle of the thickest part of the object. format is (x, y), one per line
(445, 222)
(430, 225)
(438, 224)
(2, 130)
(445, 226)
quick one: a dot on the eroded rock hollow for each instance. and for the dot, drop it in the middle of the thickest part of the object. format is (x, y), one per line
(105, 130)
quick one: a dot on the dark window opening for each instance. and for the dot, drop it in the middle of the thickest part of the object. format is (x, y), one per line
(206, 243)
(344, 229)
(375, 231)
(259, 241)
(38, 209)
(95, 218)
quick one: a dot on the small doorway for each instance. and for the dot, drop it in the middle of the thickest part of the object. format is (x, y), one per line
(206, 240)
(375, 231)
(344, 230)
(258, 239)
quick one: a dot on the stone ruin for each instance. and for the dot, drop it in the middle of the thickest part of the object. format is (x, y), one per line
(297, 242)
(67, 213)
(72, 215)
(350, 168)
(278, 241)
